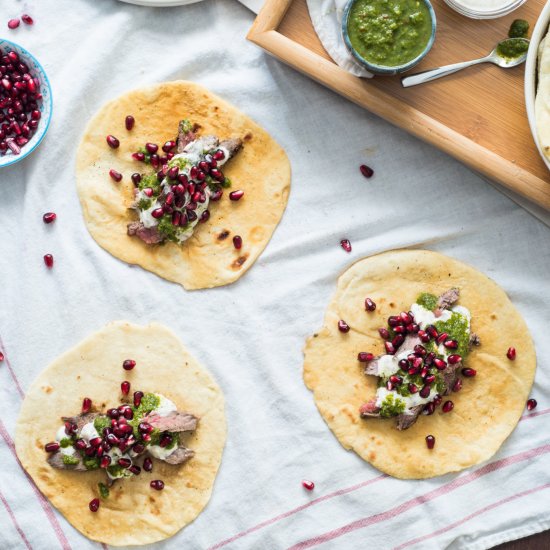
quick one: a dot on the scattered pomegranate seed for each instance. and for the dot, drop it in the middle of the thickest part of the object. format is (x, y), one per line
(364, 357)
(531, 404)
(346, 245)
(366, 171)
(129, 122)
(48, 260)
(86, 405)
(125, 388)
(136, 178)
(343, 326)
(511, 354)
(448, 406)
(13, 23)
(148, 465)
(309, 485)
(168, 146)
(237, 242)
(236, 195)
(94, 505)
(371, 306)
(128, 364)
(137, 399)
(469, 373)
(117, 176)
(1, 356)
(52, 447)
(430, 441)
(113, 142)
(49, 217)
(157, 484)
(27, 19)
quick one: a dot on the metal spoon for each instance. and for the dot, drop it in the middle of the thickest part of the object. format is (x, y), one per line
(493, 57)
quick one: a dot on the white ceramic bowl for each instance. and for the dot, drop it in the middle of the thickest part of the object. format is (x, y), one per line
(539, 32)
(45, 107)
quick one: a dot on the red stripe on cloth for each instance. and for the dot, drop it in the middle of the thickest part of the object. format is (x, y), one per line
(534, 414)
(12, 372)
(14, 521)
(43, 502)
(417, 501)
(298, 509)
(473, 515)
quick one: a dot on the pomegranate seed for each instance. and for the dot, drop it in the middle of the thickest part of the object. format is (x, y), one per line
(128, 364)
(105, 461)
(113, 439)
(429, 408)
(151, 147)
(27, 19)
(309, 485)
(343, 326)
(49, 217)
(137, 398)
(366, 171)
(437, 400)
(154, 160)
(396, 380)
(413, 388)
(454, 359)
(429, 379)
(457, 386)
(95, 441)
(398, 340)
(364, 357)
(113, 142)
(136, 470)
(432, 331)
(440, 364)
(94, 505)
(138, 156)
(531, 404)
(430, 441)
(138, 448)
(157, 484)
(86, 405)
(420, 350)
(218, 155)
(168, 146)
(400, 329)
(128, 413)
(425, 392)
(429, 359)
(145, 427)
(70, 428)
(148, 465)
(157, 213)
(442, 338)
(205, 216)
(124, 462)
(125, 388)
(129, 122)
(136, 178)
(236, 195)
(384, 332)
(390, 348)
(424, 336)
(469, 373)
(237, 242)
(13, 23)
(165, 440)
(423, 372)
(1, 356)
(116, 176)
(511, 354)
(405, 317)
(89, 451)
(48, 260)
(344, 243)
(370, 305)
(448, 406)
(52, 447)
(451, 344)
(80, 444)
(393, 321)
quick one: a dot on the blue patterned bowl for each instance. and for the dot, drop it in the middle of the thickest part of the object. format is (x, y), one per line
(45, 106)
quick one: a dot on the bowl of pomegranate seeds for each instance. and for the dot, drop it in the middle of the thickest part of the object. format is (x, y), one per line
(25, 103)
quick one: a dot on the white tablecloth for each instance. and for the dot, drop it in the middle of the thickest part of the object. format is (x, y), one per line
(250, 334)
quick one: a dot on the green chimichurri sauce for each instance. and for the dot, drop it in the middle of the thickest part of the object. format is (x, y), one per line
(427, 300)
(519, 29)
(457, 329)
(70, 460)
(389, 32)
(512, 48)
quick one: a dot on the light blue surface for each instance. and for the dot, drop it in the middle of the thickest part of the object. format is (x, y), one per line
(46, 106)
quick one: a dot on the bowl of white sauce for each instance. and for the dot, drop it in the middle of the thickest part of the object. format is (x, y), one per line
(484, 9)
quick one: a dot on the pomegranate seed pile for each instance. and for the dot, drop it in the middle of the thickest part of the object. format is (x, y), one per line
(20, 100)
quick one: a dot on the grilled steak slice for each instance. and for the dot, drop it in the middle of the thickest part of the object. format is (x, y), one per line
(410, 341)
(450, 374)
(80, 419)
(56, 461)
(149, 235)
(233, 145)
(179, 456)
(369, 409)
(406, 420)
(447, 299)
(173, 422)
(186, 134)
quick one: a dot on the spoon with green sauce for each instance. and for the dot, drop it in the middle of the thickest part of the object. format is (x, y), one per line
(507, 53)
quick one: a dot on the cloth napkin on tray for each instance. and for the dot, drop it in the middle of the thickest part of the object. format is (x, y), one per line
(250, 334)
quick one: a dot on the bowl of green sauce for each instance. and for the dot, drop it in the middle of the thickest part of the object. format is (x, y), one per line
(388, 36)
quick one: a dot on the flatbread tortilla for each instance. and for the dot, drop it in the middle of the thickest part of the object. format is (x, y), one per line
(134, 513)
(208, 258)
(486, 409)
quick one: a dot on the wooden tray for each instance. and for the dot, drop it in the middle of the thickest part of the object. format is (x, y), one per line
(478, 115)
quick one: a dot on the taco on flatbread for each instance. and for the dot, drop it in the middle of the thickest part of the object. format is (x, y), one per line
(124, 434)
(423, 365)
(173, 178)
